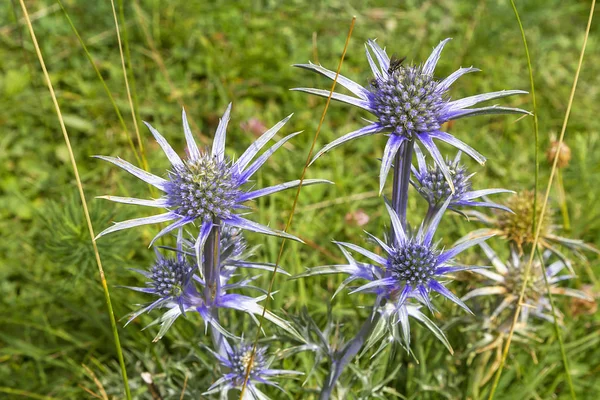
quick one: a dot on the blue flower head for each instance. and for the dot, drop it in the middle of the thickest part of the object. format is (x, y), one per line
(176, 287)
(433, 186)
(410, 104)
(171, 281)
(205, 188)
(412, 267)
(238, 359)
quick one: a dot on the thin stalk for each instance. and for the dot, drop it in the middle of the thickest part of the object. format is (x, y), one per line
(545, 203)
(104, 85)
(212, 275)
(132, 108)
(402, 164)
(129, 63)
(561, 343)
(111, 314)
(535, 117)
(163, 69)
(431, 211)
(291, 216)
(562, 199)
(344, 356)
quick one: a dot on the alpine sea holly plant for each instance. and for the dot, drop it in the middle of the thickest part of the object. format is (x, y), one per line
(410, 105)
(204, 192)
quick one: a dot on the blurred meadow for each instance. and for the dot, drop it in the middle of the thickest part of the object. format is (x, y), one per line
(55, 335)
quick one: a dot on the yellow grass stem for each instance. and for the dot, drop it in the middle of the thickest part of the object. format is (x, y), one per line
(83, 202)
(544, 205)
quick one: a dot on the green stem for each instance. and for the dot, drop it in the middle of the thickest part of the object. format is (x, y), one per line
(563, 353)
(563, 200)
(537, 162)
(104, 85)
(130, 69)
(535, 117)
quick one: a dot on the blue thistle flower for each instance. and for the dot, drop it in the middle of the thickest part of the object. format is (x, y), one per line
(433, 186)
(410, 104)
(205, 188)
(236, 362)
(174, 282)
(412, 267)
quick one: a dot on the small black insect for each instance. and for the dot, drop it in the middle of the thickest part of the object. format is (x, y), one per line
(395, 64)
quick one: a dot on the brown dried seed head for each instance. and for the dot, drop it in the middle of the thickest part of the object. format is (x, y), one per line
(517, 227)
(563, 157)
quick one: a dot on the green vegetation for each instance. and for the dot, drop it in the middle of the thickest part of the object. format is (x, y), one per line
(55, 337)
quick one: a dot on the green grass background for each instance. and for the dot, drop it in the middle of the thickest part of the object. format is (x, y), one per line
(53, 317)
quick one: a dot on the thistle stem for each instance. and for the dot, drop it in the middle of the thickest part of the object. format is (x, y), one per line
(212, 288)
(431, 211)
(343, 357)
(402, 167)
(402, 164)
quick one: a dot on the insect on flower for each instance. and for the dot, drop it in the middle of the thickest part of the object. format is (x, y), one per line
(410, 104)
(205, 188)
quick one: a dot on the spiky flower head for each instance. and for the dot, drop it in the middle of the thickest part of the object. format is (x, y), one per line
(517, 227)
(176, 286)
(170, 280)
(241, 358)
(410, 104)
(205, 188)
(509, 280)
(412, 267)
(170, 276)
(233, 244)
(431, 183)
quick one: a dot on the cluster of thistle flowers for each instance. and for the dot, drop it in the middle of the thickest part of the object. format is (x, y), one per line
(203, 194)
(205, 191)
(410, 105)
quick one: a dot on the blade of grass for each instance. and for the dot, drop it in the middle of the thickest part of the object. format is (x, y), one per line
(163, 69)
(561, 343)
(562, 199)
(83, 202)
(291, 216)
(128, 59)
(535, 118)
(99, 75)
(23, 393)
(535, 197)
(545, 203)
(133, 116)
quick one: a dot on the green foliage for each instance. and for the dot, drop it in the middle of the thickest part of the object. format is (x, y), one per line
(54, 316)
